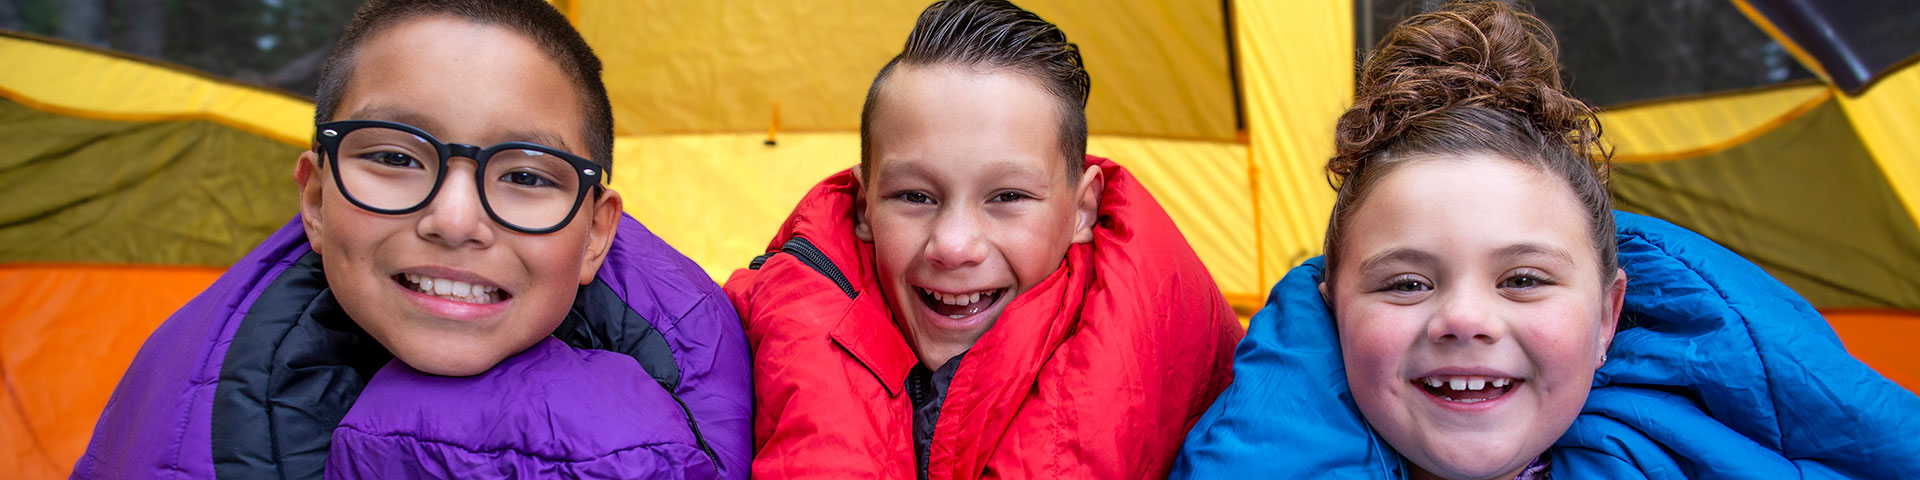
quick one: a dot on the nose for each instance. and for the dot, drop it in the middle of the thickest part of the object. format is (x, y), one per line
(454, 217)
(957, 239)
(1466, 316)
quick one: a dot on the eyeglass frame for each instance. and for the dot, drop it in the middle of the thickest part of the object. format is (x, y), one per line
(327, 137)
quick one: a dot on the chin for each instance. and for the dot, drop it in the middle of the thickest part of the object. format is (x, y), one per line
(448, 363)
(1466, 465)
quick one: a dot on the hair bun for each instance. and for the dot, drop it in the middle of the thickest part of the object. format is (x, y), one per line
(1466, 54)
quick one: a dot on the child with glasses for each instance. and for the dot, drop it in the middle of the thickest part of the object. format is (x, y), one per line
(460, 296)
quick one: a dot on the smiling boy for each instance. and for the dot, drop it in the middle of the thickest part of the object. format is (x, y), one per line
(979, 297)
(460, 285)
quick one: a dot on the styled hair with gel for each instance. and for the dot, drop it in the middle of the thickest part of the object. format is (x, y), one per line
(993, 35)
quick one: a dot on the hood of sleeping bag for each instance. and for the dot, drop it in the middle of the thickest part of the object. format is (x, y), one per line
(250, 379)
(1717, 371)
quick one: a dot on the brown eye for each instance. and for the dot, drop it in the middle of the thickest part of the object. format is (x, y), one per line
(1408, 285)
(527, 179)
(914, 197)
(394, 159)
(1520, 281)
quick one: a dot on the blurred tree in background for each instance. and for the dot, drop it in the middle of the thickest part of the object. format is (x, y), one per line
(274, 43)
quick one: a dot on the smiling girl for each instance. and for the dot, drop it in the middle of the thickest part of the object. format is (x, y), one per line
(1470, 262)
(1461, 322)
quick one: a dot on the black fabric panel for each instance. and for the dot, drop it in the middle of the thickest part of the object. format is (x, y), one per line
(1855, 41)
(296, 365)
(927, 390)
(599, 320)
(1619, 52)
(1805, 201)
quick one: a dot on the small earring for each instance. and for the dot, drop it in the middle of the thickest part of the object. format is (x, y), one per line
(1603, 358)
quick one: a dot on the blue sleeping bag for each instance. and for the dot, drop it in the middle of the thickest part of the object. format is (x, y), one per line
(1718, 371)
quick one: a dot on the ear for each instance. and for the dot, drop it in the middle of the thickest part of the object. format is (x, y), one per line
(306, 174)
(860, 224)
(1616, 303)
(1093, 183)
(1324, 296)
(606, 221)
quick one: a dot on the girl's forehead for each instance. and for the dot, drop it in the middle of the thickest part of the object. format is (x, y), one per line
(1468, 208)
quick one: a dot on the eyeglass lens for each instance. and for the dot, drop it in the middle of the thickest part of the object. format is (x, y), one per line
(393, 170)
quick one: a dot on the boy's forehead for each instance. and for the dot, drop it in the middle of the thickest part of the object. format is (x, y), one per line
(932, 116)
(497, 132)
(455, 77)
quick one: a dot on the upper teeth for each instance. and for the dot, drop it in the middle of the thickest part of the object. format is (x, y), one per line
(1466, 382)
(957, 300)
(452, 288)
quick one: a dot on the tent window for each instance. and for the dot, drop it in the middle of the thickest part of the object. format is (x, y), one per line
(273, 43)
(1621, 51)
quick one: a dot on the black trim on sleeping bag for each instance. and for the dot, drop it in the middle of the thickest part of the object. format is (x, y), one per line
(600, 320)
(297, 363)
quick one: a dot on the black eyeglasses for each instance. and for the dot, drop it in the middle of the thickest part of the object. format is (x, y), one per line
(395, 169)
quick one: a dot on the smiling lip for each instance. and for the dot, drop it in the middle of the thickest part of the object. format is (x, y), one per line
(447, 308)
(1467, 390)
(958, 311)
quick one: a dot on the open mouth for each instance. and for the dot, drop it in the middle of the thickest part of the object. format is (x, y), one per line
(1466, 388)
(958, 306)
(452, 290)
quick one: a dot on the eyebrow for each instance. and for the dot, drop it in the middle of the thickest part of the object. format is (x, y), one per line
(392, 114)
(1399, 255)
(1533, 249)
(1001, 169)
(542, 138)
(898, 168)
(400, 115)
(1013, 169)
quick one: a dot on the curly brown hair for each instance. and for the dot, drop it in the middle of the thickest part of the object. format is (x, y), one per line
(1474, 77)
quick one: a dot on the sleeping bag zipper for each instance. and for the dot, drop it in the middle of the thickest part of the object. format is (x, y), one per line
(813, 258)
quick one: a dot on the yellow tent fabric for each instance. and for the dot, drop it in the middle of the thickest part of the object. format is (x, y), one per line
(1677, 129)
(1298, 68)
(1160, 67)
(699, 87)
(1885, 117)
(50, 76)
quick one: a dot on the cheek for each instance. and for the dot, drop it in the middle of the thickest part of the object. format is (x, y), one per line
(1034, 244)
(897, 242)
(353, 236)
(1563, 340)
(1374, 338)
(551, 260)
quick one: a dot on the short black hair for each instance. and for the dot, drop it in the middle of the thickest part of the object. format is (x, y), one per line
(996, 34)
(547, 27)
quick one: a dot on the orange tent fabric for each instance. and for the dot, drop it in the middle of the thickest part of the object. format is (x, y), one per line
(70, 332)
